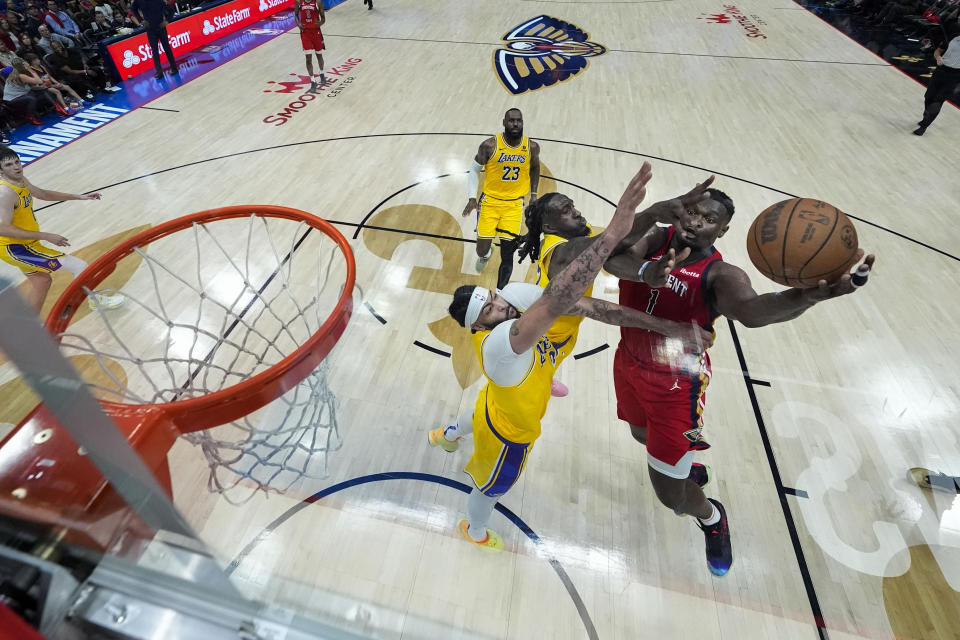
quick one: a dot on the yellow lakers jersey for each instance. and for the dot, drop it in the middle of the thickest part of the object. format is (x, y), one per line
(564, 324)
(515, 412)
(507, 172)
(23, 217)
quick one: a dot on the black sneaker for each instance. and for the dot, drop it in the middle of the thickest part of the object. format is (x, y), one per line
(719, 551)
(920, 131)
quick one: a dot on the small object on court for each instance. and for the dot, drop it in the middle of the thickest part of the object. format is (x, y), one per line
(928, 479)
(800, 241)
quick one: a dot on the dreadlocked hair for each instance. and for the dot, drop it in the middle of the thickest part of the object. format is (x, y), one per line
(533, 216)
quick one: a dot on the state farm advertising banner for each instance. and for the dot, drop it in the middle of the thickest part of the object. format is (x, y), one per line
(133, 56)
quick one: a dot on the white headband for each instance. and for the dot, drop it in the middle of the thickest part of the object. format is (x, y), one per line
(478, 298)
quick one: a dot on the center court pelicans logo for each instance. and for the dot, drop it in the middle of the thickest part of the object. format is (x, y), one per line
(542, 52)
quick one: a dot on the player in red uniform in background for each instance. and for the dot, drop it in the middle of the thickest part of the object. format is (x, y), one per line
(310, 17)
(660, 389)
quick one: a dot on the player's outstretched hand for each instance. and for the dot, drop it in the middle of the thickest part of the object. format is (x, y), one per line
(54, 239)
(91, 196)
(632, 196)
(669, 211)
(656, 274)
(846, 284)
(470, 208)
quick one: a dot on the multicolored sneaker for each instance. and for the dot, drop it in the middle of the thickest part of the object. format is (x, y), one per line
(105, 301)
(699, 473)
(436, 438)
(493, 542)
(934, 480)
(717, 535)
(483, 260)
(558, 389)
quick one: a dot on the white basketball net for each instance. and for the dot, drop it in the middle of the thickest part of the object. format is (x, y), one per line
(212, 305)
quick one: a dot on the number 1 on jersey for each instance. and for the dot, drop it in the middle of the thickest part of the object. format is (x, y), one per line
(654, 294)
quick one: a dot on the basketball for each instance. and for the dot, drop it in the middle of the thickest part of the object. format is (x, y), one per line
(801, 241)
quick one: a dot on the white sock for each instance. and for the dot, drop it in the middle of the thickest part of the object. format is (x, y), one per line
(479, 509)
(464, 426)
(72, 264)
(713, 519)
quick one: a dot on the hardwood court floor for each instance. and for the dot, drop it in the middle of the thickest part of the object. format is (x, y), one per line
(811, 468)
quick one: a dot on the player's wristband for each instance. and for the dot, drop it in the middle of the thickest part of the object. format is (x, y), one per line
(642, 269)
(859, 277)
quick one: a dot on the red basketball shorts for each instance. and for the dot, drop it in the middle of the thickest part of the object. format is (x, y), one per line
(668, 404)
(311, 39)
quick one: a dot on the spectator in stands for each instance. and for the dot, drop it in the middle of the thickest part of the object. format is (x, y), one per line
(946, 77)
(102, 27)
(5, 124)
(19, 92)
(69, 66)
(28, 44)
(14, 21)
(56, 88)
(47, 36)
(893, 11)
(125, 14)
(105, 8)
(61, 22)
(7, 36)
(33, 20)
(6, 56)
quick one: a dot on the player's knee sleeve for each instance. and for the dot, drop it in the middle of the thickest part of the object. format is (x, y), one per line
(73, 264)
(465, 422)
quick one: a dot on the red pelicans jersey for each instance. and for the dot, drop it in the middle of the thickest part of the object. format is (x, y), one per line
(309, 15)
(683, 299)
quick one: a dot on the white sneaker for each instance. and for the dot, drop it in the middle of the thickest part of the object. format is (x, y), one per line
(482, 261)
(105, 301)
(112, 89)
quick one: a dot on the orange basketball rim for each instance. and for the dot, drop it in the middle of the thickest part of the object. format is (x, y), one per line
(76, 496)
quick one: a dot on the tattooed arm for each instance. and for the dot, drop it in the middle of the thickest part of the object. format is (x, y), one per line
(569, 286)
(693, 337)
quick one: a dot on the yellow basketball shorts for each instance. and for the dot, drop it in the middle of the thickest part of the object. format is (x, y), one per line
(31, 258)
(499, 217)
(496, 463)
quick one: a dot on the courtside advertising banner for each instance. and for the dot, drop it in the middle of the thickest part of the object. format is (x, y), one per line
(133, 56)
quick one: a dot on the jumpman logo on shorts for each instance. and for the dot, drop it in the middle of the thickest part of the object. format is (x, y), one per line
(676, 385)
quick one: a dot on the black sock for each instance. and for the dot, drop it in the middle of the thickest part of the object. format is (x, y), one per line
(507, 249)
